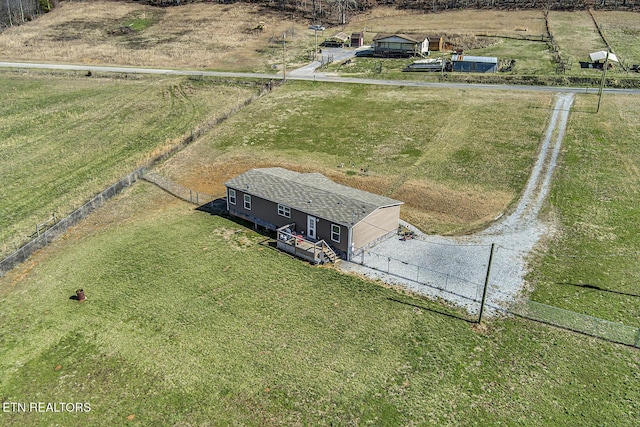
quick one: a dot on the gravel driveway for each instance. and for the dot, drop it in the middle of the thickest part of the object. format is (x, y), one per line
(329, 54)
(455, 268)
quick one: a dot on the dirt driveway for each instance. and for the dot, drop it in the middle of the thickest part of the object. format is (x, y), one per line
(455, 268)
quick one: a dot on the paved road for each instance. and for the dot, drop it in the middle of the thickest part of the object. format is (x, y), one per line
(305, 75)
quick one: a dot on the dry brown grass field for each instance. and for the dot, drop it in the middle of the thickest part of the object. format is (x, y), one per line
(202, 35)
(214, 36)
(221, 37)
(513, 23)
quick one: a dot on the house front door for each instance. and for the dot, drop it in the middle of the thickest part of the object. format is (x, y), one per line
(311, 227)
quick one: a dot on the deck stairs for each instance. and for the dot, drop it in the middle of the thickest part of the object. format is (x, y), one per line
(329, 253)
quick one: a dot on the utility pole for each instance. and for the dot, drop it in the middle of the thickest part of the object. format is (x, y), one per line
(486, 283)
(604, 73)
(284, 57)
(315, 52)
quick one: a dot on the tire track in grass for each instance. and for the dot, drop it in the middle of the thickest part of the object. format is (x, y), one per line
(408, 172)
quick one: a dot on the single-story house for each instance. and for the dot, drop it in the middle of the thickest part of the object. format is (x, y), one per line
(398, 45)
(474, 64)
(310, 206)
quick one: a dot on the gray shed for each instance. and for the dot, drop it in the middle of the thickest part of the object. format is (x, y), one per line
(474, 64)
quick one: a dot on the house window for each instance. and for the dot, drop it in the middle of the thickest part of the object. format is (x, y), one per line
(284, 211)
(335, 233)
(247, 202)
(232, 196)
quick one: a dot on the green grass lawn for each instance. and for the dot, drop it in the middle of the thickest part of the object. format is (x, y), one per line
(576, 34)
(192, 319)
(623, 32)
(64, 139)
(409, 140)
(592, 265)
(532, 57)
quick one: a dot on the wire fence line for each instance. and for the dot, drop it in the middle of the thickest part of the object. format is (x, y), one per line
(206, 126)
(46, 237)
(177, 190)
(419, 274)
(471, 291)
(577, 322)
(444, 282)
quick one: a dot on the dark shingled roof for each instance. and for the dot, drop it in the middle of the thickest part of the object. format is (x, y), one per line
(416, 38)
(312, 193)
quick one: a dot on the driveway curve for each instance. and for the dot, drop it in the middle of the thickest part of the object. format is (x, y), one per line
(455, 268)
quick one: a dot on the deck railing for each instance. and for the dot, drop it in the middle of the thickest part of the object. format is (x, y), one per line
(298, 245)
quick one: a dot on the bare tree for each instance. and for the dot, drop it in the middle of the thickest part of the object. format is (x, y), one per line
(21, 10)
(9, 13)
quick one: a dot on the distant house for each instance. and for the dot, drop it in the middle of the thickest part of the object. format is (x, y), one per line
(474, 64)
(306, 208)
(337, 40)
(400, 45)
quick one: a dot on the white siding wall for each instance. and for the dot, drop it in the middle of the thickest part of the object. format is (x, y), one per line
(377, 224)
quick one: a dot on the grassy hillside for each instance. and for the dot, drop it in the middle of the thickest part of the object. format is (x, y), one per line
(191, 319)
(64, 139)
(202, 35)
(454, 157)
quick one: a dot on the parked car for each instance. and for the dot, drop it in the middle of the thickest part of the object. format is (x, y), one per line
(364, 52)
(316, 27)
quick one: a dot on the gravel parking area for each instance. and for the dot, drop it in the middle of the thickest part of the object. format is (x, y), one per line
(455, 268)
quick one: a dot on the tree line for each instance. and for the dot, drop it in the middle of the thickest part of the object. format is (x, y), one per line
(14, 12)
(339, 11)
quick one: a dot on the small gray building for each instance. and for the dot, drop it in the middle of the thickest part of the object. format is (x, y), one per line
(310, 206)
(474, 64)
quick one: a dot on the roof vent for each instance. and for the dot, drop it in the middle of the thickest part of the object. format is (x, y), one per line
(309, 201)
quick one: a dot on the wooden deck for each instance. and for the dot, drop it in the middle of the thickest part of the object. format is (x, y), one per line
(316, 252)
